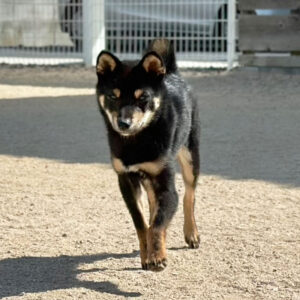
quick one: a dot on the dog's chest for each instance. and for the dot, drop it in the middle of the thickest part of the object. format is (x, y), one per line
(152, 168)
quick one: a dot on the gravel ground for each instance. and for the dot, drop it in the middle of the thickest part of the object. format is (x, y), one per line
(65, 232)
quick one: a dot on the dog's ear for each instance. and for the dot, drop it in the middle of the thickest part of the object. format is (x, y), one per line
(152, 63)
(106, 63)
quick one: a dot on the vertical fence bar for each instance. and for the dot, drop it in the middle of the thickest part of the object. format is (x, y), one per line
(93, 30)
(87, 32)
(231, 33)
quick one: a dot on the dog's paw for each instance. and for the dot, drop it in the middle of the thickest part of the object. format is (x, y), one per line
(156, 250)
(156, 265)
(145, 266)
(193, 240)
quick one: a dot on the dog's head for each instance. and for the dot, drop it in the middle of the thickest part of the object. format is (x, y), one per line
(129, 93)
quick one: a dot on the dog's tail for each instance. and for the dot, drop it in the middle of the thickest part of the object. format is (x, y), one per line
(164, 48)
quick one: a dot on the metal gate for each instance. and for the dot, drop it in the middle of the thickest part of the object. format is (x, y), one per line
(40, 31)
(58, 31)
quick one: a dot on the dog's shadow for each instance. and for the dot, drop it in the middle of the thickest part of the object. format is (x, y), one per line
(40, 274)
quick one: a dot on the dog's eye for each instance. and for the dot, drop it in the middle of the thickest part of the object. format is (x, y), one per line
(144, 97)
(143, 101)
(112, 97)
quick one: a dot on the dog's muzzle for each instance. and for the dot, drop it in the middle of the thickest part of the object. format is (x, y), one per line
(124, 124)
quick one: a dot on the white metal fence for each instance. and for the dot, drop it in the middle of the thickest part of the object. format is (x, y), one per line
(53, 31)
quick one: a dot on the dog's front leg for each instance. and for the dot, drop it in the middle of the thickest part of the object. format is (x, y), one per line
(163, 201)
(131, 192)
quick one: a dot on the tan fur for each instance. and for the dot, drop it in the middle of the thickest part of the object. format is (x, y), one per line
(118, 166)
(142, 120)
(152, 242)
(190, 228)
(142, 235)
(112, 116)
(138, 93)
(185, 160)
(157, 101)
(106, 62)
(152, 168)
(137, 117)
(156, 243)
(151, 199)
(117, 92)
(101, 100)
(153, 64)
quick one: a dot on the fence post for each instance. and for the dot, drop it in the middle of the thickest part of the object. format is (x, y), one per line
(93, 30)
(231, 33)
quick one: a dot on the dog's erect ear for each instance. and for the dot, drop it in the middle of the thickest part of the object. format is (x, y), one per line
(106, 62)
(153, 63)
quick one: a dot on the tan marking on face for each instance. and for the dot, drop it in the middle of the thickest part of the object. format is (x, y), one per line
(117, 92)
(101, 100)
(157, 101)
(147, 118)
(142, 120)
(112, 116)
(153, 64)
(138, 93)
(105, 63)
(185, 161)
(137, 117)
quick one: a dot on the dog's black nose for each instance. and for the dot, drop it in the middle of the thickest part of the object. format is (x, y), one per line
(124, 123)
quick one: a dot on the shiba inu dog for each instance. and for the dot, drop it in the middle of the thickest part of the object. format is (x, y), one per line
(152, 120)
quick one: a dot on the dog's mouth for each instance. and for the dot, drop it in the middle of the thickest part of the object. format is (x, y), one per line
(127, 129)
(127, 132)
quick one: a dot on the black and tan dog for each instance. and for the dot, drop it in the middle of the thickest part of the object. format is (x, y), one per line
(152, 120)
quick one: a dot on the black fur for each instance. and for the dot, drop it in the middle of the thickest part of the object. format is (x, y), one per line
(174, 124)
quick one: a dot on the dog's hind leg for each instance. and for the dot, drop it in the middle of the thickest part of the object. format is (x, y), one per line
(189, 160)
(131, 191)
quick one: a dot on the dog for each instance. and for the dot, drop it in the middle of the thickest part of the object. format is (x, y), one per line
(152, 120)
